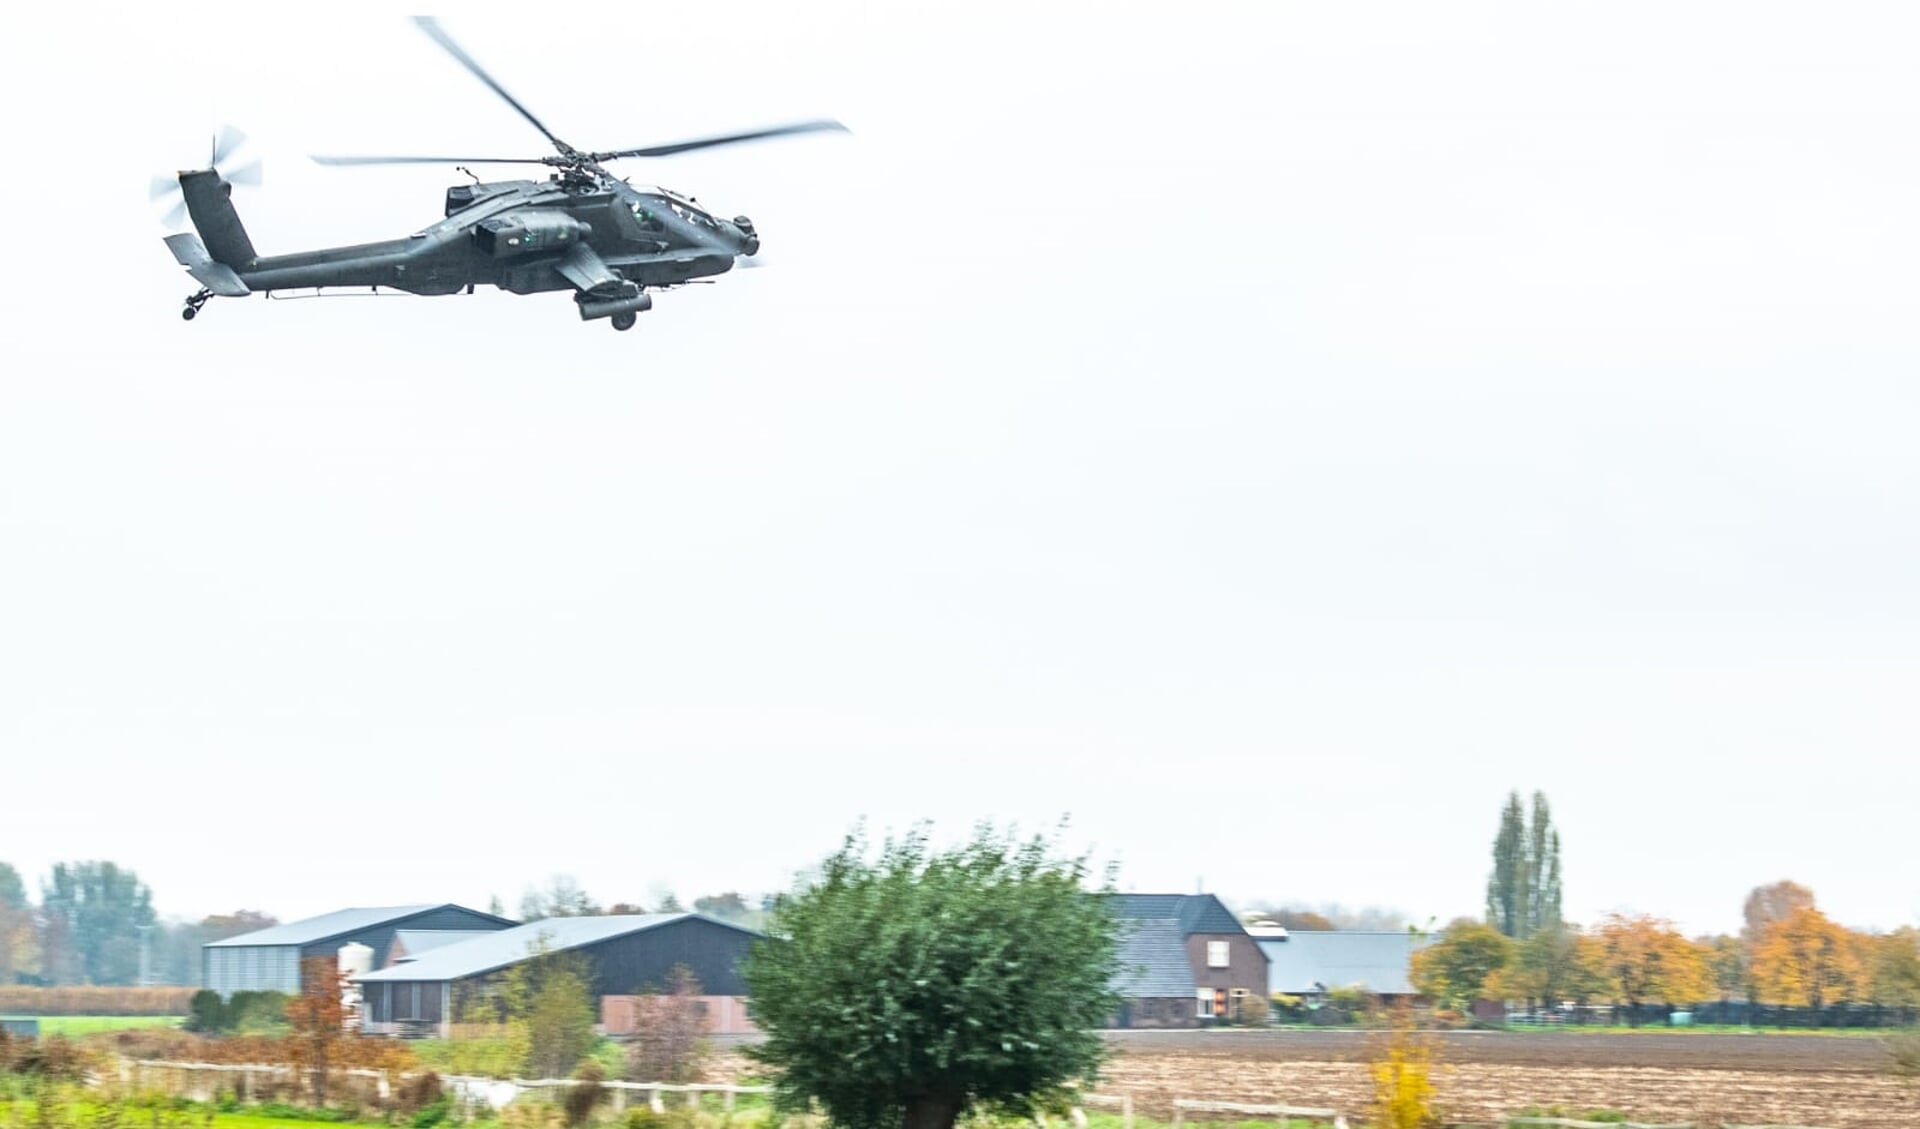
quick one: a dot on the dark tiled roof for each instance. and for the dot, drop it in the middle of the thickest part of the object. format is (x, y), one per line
(1153, 960)
(1196, 913)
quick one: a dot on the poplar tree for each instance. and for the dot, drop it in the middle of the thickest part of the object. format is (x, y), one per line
(1523, 892)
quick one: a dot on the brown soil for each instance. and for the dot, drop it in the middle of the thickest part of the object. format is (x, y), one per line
(1841, 1083)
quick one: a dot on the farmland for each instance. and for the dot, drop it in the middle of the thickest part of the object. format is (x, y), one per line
(1800, 1079)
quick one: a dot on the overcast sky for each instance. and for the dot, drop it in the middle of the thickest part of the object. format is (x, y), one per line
(1267, 433)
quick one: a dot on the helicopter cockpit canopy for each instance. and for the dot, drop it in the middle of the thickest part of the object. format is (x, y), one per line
(660, 209)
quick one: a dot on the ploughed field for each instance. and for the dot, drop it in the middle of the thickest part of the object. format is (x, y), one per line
(1837, 1082)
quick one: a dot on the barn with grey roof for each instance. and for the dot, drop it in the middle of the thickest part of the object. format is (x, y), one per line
(423, 992)
(268, 960)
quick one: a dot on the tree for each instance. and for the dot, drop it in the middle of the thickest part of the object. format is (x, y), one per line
(176, 948)
(562, 897)
(1726, 960)
(1554, 965)
(1771, 903)
(559, 1014)
(1646, 960)
(1455, 969)
(729, 906)
(93, 914)
(1894, 967)
(17, 949)
(912, 988)
(13, 892)
(1806, 958)
(670, 1032)
(1523, 892)
(669, 904)
(319, 1019)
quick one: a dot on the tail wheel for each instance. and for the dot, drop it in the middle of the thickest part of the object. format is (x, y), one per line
(623, 322)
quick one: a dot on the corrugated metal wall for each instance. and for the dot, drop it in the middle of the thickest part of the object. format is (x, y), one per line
(252, 968)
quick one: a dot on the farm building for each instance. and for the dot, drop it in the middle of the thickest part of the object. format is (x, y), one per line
(1186, 961)
(1311, 963)
(625, 956)
(268, 960)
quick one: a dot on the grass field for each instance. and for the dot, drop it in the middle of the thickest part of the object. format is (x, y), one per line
(73, 1026)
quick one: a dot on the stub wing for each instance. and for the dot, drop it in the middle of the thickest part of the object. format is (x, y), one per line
(217, 277)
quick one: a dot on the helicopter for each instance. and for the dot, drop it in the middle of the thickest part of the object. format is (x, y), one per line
(581, 229)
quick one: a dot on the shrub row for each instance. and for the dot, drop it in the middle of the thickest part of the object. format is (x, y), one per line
(27, 1000)
(183, 1046)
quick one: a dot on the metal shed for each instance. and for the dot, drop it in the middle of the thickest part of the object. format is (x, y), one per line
(268, 960)
(625, 955)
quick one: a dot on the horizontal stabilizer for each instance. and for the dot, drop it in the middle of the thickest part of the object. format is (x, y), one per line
(217, 277)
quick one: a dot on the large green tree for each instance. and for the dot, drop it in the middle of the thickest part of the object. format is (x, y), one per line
(1523, 892)
(906, 990)
(1456, 967)
(93, 914)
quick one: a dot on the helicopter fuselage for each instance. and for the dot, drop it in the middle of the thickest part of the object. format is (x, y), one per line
(607, 241)
(517, 235)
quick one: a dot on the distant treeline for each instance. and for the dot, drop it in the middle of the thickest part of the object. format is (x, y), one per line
(24, 1000)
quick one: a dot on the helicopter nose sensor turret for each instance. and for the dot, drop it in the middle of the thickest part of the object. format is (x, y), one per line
(749, 239)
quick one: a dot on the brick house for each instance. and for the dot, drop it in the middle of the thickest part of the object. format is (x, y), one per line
(1186, 961)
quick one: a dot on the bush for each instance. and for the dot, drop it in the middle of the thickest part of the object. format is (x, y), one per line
(431, 1114)
(1401, 1065)
(585, 1093)
(419, 1093)
(1905, 1051)
(206, 1011)
(51, 1059)
(1254, 1012)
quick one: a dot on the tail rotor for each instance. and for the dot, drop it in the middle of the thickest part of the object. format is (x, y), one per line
(224, 151)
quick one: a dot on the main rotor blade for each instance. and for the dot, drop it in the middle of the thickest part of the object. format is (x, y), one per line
(721, 139)
(429, 160)
(432, 27)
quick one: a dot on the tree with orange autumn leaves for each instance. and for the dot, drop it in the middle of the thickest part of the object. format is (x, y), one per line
(1644, 960)
(318, 1016)
(1807, 959)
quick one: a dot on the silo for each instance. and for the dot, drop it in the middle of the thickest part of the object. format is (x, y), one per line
(356, 960)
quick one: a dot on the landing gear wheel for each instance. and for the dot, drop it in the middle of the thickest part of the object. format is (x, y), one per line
(194, 302)
(623, 322)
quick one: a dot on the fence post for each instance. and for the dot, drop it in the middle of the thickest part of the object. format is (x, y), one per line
(726, 1102)
(1126, 1111)
(653, 1101)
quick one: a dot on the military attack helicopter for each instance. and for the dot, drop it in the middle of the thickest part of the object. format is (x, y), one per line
(582, 229)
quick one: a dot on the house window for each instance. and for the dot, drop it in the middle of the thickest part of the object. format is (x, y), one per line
(1203, 1002)
(1217, 954)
